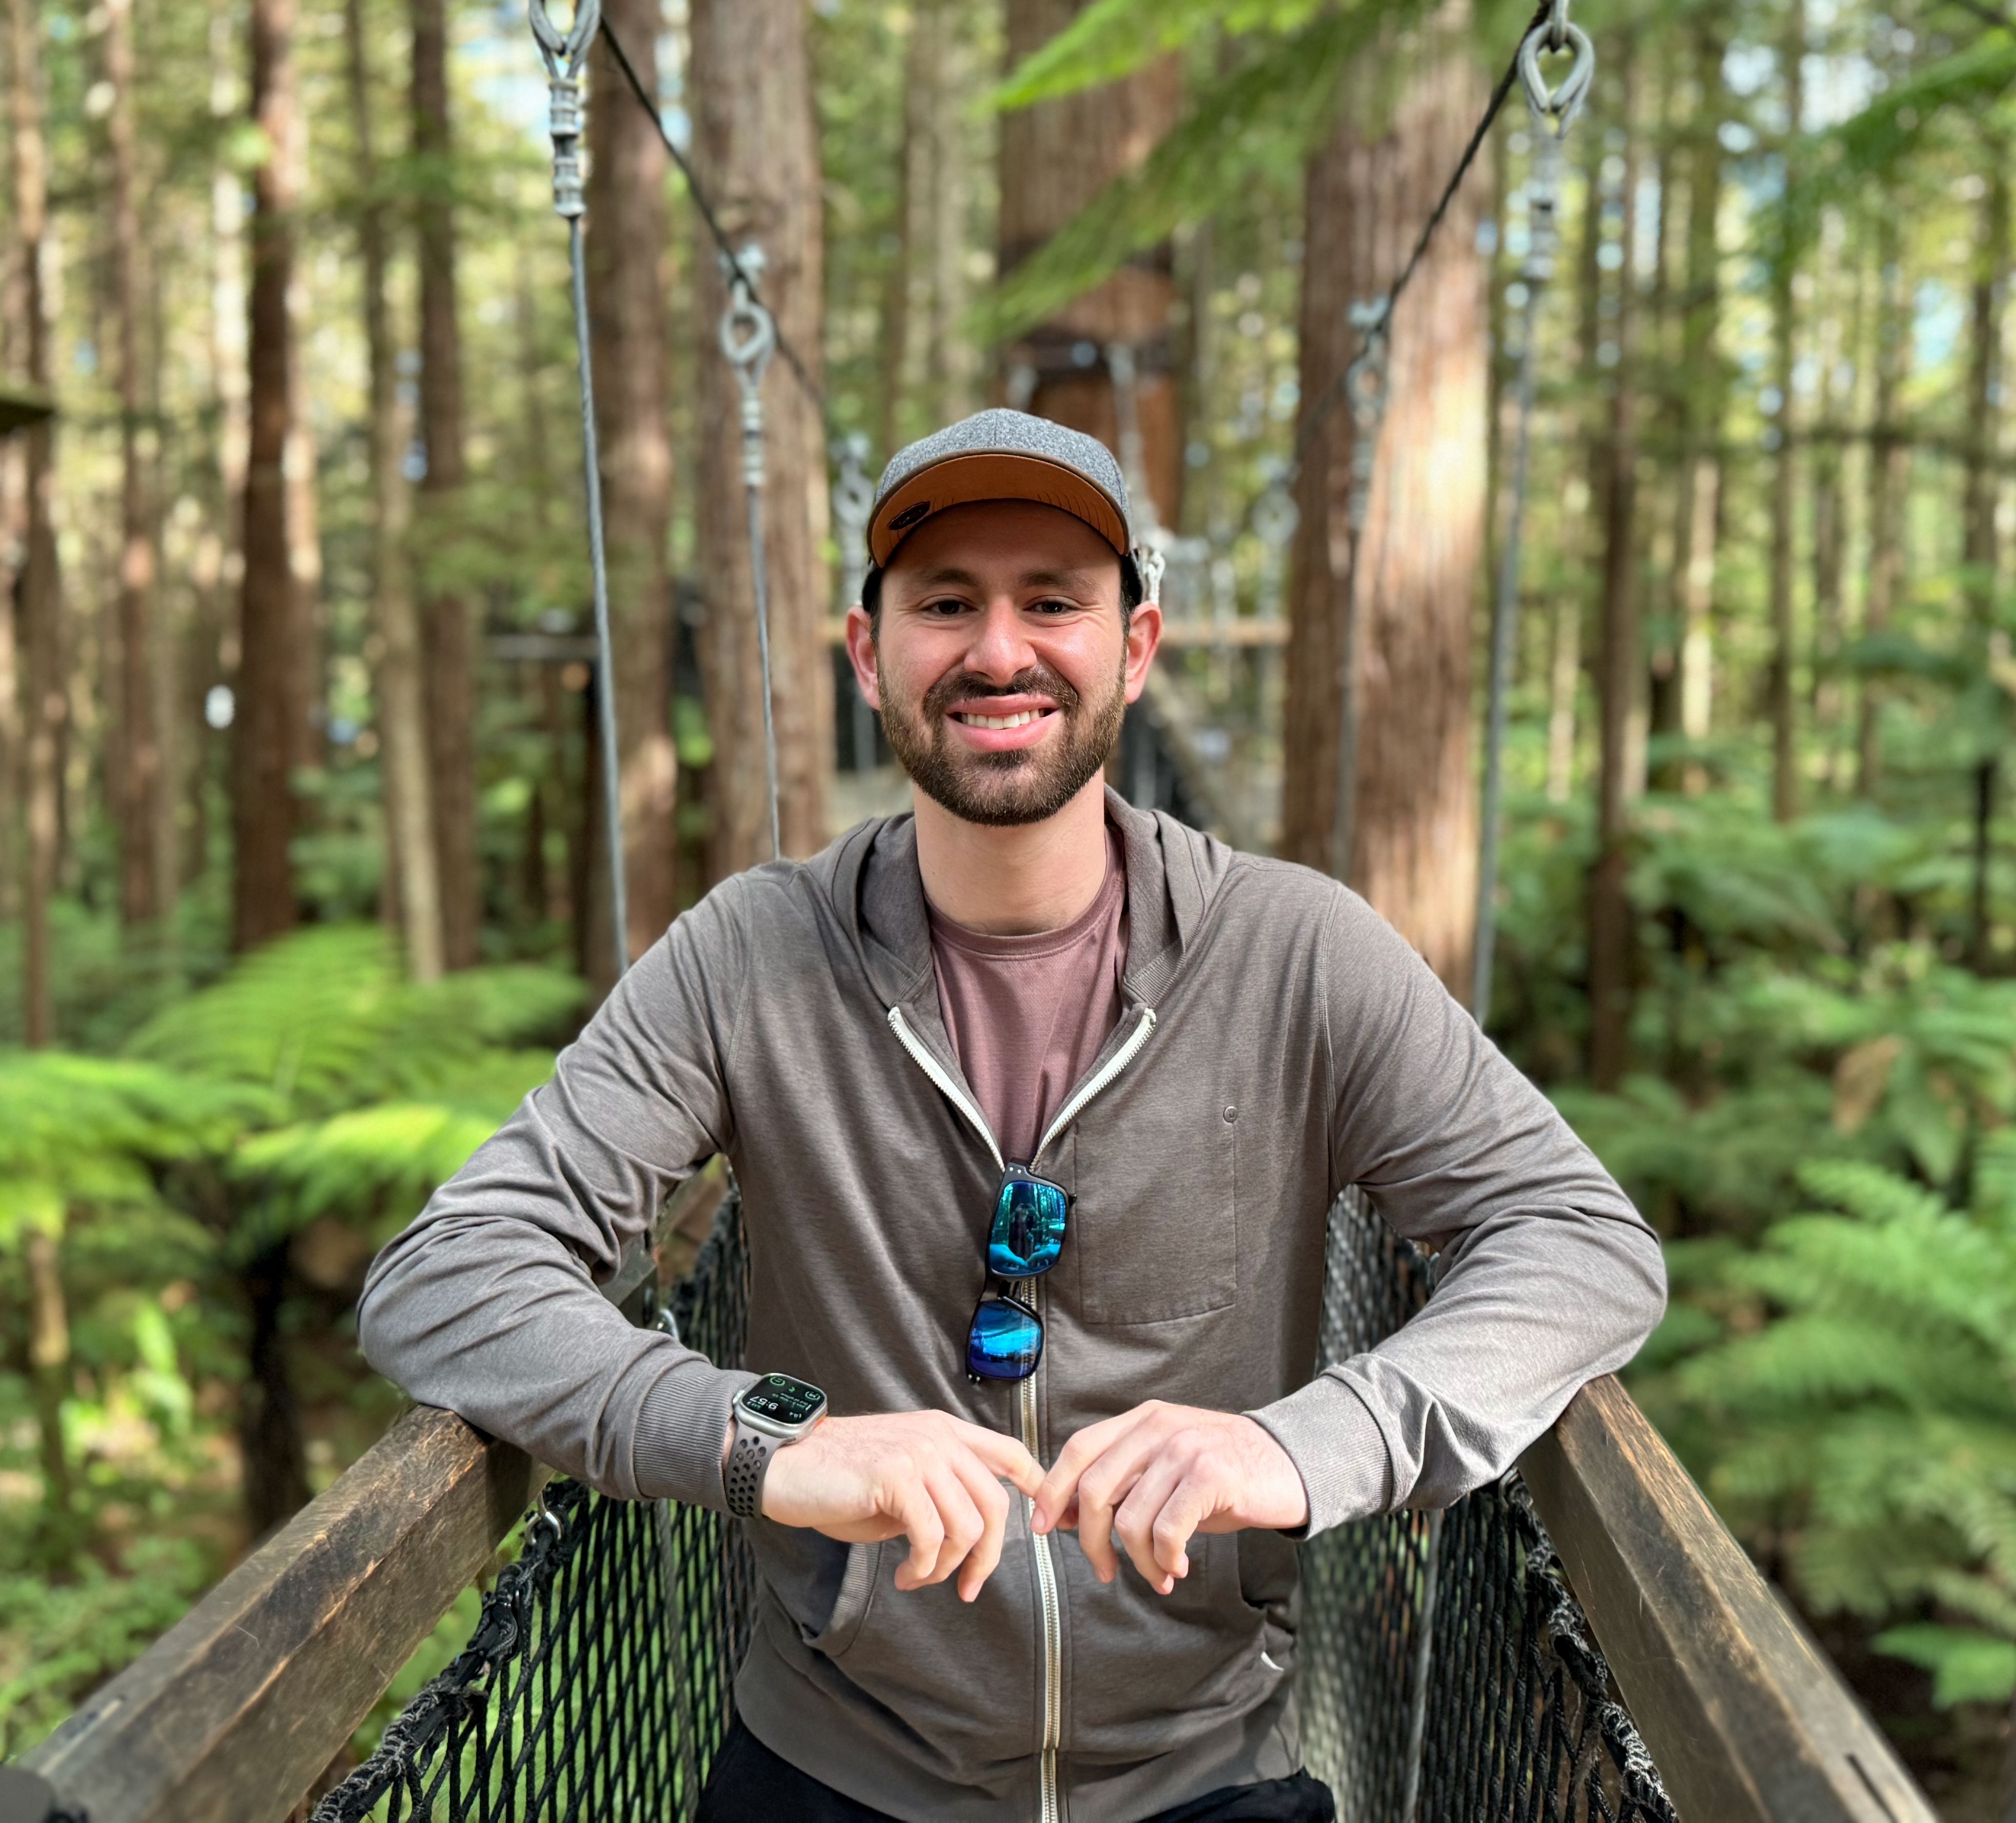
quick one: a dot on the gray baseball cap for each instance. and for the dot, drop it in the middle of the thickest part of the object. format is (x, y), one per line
(1001, 455)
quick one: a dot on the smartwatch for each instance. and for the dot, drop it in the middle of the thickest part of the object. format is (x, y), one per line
(773, 1411)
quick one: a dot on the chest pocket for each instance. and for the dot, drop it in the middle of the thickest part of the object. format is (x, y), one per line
(1155, 1228)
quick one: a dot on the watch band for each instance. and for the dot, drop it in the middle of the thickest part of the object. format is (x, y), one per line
(748, 1462)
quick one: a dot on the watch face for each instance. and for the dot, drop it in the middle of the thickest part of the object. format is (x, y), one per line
(783, 1400)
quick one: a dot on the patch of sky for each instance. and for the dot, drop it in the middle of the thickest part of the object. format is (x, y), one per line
(1938, 317)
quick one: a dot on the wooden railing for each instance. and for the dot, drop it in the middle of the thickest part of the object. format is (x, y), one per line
(233, 1713)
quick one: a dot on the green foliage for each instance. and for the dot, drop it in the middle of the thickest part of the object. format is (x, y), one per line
(1859, 1390)
(1269, 110)
(312, 1084)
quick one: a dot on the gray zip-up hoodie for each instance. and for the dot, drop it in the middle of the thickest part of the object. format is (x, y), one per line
(1279, 1042)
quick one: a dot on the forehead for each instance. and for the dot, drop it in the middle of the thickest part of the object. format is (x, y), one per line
(1005, 543)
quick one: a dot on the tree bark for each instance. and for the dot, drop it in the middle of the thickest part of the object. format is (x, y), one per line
(49, 1370)
(276, 1468)
(629, 279)
(1981, 551)
(447, 627)
(138, 783)
(1610, 946)
(1055, 158)
(270, 708)
(1889, 474)
(755, 150)
(1696, 513)
(408, 788)
(1414, 841)
(37, 584)
(1784, 475)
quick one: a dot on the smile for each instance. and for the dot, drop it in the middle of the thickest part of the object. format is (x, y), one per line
(1020, 719)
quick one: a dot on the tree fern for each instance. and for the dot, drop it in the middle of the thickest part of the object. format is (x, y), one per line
(1861, 1400)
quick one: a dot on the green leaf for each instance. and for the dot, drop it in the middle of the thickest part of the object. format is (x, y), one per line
(1967, 1667)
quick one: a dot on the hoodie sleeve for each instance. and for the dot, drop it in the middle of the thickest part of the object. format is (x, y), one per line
(1548, 1275)
(487, 1303)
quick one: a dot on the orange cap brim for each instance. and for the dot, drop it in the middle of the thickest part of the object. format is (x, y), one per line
(959, 480)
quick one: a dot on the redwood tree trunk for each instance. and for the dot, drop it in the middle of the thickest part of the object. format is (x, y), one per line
(1055, 158)
(754, 148)
(272, 618)
(1413, 824)
(1784, 482)
(38, 599)
(1889, 471)
(448, 633)
(408, 788)
(629, 279)
(139, 784)
(1610, 947)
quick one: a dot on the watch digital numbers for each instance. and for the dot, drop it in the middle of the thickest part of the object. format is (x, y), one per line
(779, 1397)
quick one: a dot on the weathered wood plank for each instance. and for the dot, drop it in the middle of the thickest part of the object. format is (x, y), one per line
(229, 1716)
(1747, 1721)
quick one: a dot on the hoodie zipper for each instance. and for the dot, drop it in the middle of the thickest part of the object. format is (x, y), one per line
(1049, 1809)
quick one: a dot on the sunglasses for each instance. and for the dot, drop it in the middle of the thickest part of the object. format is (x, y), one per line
(1005, 1340)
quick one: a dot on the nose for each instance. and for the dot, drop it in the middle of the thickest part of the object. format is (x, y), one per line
(1000, 650)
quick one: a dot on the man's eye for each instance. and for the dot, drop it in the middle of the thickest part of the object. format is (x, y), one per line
(1053, 607)
(950, 606)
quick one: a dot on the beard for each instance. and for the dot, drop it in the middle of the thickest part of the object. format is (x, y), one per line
(1003, 790)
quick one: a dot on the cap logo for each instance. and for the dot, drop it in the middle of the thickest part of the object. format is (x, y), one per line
(909, 515)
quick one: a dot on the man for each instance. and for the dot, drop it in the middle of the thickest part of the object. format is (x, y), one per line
(1039, 1105)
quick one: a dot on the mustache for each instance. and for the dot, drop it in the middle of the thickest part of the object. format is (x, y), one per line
(1037, 680)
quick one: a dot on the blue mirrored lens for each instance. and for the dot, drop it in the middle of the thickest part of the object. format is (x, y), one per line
(1004, 1342)
(1028, 1231)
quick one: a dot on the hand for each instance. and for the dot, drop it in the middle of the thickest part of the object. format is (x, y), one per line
(1158, 1474)
(925, 1474)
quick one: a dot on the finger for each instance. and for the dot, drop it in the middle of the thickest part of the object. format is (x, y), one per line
(1004, 1455)
(1100, 1490)
(1135, 1522)
(958, 1514)
(992, 1500)
(1060, 1487)
(918, 1513)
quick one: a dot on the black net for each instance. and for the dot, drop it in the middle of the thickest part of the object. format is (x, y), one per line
(1445, 1673)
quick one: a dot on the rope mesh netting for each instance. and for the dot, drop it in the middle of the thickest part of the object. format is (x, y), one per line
(1446, 1674)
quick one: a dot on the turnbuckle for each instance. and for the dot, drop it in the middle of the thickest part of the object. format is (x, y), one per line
(748, 339)
(564, 52)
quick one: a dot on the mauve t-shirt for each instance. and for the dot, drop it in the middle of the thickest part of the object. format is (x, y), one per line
(1027, 1015)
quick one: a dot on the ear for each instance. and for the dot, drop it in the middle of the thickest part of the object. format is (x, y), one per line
(1144, 634)
(861, 655)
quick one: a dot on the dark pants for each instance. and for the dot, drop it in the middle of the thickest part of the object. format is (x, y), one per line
(750, 1783)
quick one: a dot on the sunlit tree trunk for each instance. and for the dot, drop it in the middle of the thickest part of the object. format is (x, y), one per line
(1055, 158)
(272, 618)
(754, 148)
(1889, 473)
(629, 279)
(925, 355)
(1784, 470)
(1611, 961)
(448, 626)
(1412, 824)
(37, 587)
(138, 785)
(408, 784)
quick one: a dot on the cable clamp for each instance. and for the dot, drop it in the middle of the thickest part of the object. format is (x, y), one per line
(564, 53)
(748, 339)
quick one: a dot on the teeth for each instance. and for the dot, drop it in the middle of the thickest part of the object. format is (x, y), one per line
(1027, 716)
